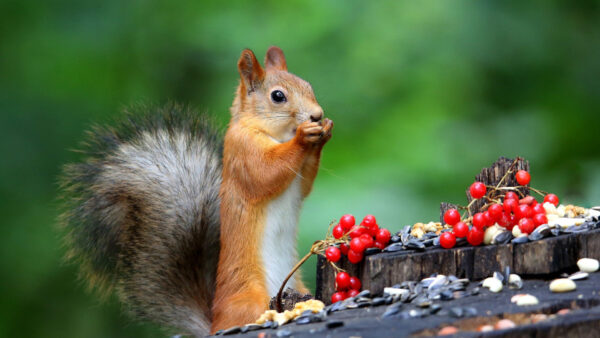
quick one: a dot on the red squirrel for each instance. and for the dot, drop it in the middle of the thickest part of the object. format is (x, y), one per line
(192, 232)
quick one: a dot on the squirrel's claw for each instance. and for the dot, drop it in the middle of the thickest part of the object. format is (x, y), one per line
(327, 127)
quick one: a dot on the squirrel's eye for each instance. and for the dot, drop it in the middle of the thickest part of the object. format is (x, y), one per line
(277, 96)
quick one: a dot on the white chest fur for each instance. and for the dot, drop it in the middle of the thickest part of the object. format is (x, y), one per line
(279, 241)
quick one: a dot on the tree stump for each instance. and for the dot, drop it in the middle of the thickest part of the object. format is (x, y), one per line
(543, 257)
(492, 176)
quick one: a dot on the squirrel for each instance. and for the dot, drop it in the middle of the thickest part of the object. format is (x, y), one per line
(192, 231)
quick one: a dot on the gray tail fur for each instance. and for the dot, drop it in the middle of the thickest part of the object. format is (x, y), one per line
(142, 213)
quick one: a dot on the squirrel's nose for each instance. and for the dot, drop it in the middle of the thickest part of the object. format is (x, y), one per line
(316, 116)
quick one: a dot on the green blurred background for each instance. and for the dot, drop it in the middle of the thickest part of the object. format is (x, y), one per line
(423, 94)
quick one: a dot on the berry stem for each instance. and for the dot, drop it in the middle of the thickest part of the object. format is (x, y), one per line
(470, 204)
(539, 192)
(508, 172)
(294, 269)
(513, 189)
(490, 201)
(318, 248)
(336, 268)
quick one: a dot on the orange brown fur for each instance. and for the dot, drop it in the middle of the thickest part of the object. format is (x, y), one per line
(262, 156)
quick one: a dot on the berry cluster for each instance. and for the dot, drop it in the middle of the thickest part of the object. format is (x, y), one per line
(355, 239)
(346, 286)
(507, 210)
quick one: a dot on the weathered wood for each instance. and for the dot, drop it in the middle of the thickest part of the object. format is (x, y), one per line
(547, 256)
(590, 245)
(289, 298)
(583, 320)
(493, 175)
(464, 262)
(487, 259)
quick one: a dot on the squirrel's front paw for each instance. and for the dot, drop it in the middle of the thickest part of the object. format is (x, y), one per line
(309, 133)
(314, 132)
(327, 127)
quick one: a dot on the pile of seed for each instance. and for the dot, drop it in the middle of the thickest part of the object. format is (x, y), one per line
(310, 311)
(405, 241)
(496, 282)
(422, 295)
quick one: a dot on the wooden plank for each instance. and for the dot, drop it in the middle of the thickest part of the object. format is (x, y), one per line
(591, 243)
(487, 308)
(487, 259)
(464, 262)
(439, 261)
(547, 256)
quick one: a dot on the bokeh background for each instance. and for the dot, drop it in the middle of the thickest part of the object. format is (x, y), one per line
(423, 94)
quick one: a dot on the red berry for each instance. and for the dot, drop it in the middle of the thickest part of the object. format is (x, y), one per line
(344, 248)
(510, 204)
(333, 254)
(373, 229)
(477, 190)
(368, 221)
(538, 209)
(460, 229)
(523, 177)
(475, 236)
(367, 240)
(511, 195)
(447, 240)
(539, 219)
(355, 283)
(513, 220)
(357, 245)
(552, 199)
(527, 200)
(504, 221)
(479, 221)
(347, 222)
(342, 280)
(357, 231)
(451, 216)
(383, 236)
(379, 245)
(338, 231)
(523, 211)
(352, 293)
(338, 296)
(489, 220)
(495, 211)
(526, 225)
(354, 257)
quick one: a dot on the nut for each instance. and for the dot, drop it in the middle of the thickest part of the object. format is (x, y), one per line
(588, 264)
(562, 285)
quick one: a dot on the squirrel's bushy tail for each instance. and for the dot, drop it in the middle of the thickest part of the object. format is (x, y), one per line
(142, 213)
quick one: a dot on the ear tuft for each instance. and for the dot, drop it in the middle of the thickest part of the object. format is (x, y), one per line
(250, 70)
(275, 59)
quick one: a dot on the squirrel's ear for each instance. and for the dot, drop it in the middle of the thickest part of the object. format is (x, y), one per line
(275, 59)
(250, 70)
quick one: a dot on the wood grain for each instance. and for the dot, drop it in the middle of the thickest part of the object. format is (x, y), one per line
(543, 257)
